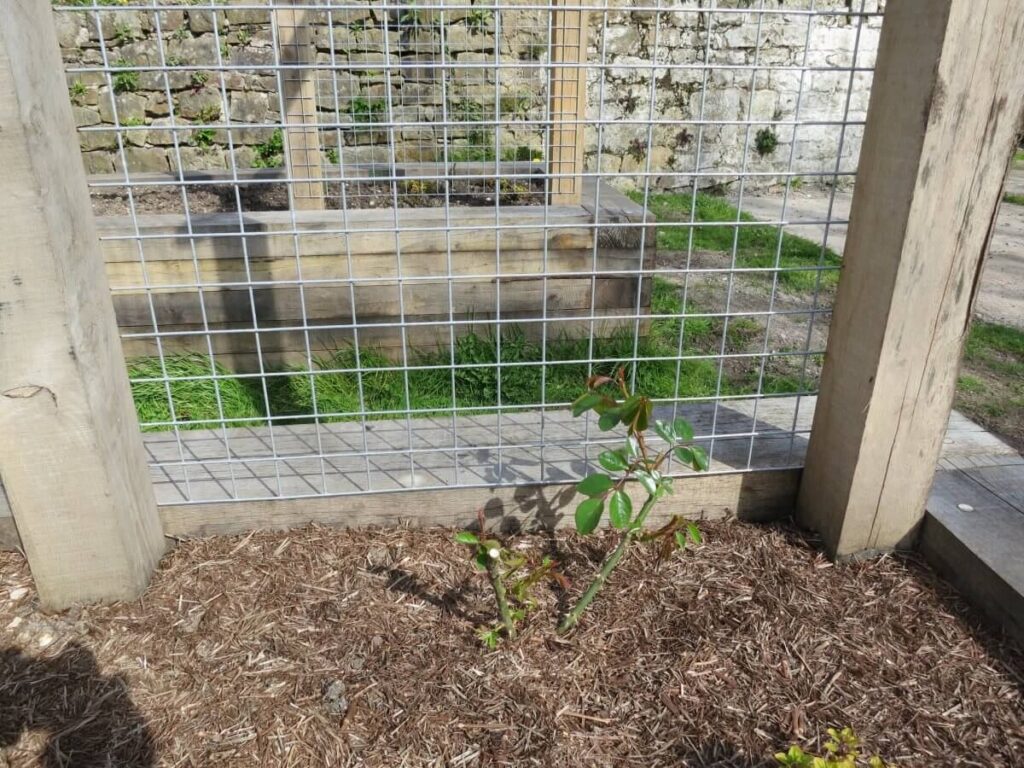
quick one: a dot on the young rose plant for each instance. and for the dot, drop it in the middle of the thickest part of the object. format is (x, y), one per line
(512, 579)
(616, 405)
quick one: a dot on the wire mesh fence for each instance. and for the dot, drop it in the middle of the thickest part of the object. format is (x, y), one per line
(371, 246)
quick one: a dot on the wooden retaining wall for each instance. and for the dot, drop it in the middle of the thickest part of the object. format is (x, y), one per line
(399, 265)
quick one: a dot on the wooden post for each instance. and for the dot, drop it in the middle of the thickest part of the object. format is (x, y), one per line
(945, 106)
(568, 87)
(71, 453)
(302, 142)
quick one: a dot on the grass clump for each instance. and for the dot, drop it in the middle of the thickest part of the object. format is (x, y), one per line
(1013, 199)
(756, 246)
(195, 400)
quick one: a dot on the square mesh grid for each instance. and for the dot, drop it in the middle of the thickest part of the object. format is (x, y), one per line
(371, 246)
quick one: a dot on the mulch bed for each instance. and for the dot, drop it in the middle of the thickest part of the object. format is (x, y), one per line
(323, 647)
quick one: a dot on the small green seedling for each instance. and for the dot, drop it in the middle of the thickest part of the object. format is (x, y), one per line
(77, 91)
(125, 81)
(512, 579)
(615, 404)
(841, 751)
(765, 141)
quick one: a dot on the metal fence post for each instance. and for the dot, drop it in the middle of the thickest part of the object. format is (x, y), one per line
(944, 111)
(71, 455)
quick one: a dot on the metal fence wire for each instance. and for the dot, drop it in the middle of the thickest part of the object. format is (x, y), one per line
(372, 246)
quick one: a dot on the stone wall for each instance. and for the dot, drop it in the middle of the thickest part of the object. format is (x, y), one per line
(358, 101)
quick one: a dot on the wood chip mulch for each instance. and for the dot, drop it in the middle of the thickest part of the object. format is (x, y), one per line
(323, 647)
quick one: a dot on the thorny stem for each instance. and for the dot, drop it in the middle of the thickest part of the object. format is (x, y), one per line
(572, 617)
(498, 584)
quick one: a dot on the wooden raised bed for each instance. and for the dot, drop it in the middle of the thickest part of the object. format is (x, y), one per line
(335, 247)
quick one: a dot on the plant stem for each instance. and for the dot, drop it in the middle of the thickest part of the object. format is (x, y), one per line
(498, 584)
(572, 617)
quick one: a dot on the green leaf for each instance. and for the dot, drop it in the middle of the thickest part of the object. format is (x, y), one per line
(620, 509)
(466, 537)
(613, 461)
(665, 486)
(700, 459)
(682, 430)
(585, 402)
(632, 447)
(664, 431)
(680, 540)
(643, 414)
(685, 455)
(630, 408)
(608, 419)
(595, 485)
(482, 560)
(588, 515)
(647, 482)
(693, 533)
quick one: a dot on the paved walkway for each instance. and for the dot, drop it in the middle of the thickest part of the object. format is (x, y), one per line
(1002, 286)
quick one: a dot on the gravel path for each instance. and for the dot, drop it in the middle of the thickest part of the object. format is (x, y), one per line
(1002, 286)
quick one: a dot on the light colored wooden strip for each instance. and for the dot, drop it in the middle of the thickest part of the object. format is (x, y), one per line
(170, 274)
(415, 231)
(945, 109)
(71, 457)
(290, 305)
(302, 137)
(756, 496)
(433, 244)
(568, 91)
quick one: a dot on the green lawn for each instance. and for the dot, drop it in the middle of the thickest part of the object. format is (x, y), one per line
(990, 389)
(193, 400)
(756, 246)
(1013, 199)
(557, 377)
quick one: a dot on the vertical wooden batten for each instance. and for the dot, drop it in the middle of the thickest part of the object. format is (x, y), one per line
(302, 137)
(945, 106)
(71, 454)
(568, 108)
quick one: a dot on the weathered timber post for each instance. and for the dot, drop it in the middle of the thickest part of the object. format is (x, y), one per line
(302, 138)
(71, 455)
(568, 108)
(945, 105)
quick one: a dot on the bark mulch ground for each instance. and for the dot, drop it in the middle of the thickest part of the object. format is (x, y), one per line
(323, 647)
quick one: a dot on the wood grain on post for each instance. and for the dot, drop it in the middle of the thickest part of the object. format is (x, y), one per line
(944, 111)
(302, 137)
(568, 88)
(71, 453)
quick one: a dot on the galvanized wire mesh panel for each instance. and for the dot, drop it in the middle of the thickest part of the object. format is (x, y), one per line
(371, 246)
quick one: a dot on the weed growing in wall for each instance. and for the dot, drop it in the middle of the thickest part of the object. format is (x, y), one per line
(765, 141)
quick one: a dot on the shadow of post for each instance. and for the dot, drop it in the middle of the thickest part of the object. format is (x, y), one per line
(89, 718)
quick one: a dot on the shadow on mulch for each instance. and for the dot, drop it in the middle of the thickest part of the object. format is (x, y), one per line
(358, 647)
(88, 718)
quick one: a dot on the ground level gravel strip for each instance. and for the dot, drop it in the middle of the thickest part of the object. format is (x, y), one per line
(323, 647)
